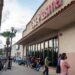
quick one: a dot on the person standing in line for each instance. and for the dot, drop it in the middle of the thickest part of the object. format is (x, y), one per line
(45, 72)
(58, 65)
(64, 64)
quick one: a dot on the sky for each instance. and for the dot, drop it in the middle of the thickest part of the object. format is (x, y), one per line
(17, 13)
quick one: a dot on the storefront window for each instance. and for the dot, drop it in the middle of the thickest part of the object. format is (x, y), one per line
(50, 43)
(56, 45)
(17, 47)
(48, 48)
(41, 49)
(42, 45)
(45, 49)
(36, 49)
(31, 50)
(46, 44)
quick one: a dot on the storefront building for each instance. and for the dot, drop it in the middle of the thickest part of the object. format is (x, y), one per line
(51, 31)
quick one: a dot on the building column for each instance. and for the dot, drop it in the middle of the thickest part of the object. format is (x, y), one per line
(43, 49)
(48, 48)
(40, 50)
(52, 51)
(34, 49)
(23, 52)
(26, 50)
(37, 48)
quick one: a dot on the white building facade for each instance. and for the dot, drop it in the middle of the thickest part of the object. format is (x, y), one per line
(17, 50)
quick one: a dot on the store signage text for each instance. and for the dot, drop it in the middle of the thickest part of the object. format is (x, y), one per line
(46, 12)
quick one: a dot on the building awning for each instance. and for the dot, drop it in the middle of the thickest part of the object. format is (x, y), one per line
(63, 18)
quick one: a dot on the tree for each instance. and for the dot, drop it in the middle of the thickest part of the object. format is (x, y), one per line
(9, 35)
(1, 53)
(5, 34)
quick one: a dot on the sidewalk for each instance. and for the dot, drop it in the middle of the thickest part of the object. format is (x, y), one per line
(23, 70)
(52, 70)
(20, 70)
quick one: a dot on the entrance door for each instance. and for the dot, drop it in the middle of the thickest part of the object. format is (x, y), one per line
(53, 51)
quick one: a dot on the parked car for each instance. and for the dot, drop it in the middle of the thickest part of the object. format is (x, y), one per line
(18, 59)
(22, 62)
(1, 65)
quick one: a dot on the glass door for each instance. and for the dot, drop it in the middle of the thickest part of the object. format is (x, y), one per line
(53, 51)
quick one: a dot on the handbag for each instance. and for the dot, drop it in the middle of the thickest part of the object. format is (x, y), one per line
(58, 69)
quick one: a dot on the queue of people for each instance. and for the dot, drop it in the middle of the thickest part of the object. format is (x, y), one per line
(62, 65)
(61, 68)
(35, 63)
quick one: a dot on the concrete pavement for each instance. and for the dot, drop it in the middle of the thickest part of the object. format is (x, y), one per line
(22, 70)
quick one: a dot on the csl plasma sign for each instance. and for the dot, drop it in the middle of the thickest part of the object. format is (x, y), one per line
(55, 4)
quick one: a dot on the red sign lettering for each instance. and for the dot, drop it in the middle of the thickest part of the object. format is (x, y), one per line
(48, 10)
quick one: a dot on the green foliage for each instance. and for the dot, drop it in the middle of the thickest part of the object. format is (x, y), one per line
(8, 34)
(1, 53)
(5, 34)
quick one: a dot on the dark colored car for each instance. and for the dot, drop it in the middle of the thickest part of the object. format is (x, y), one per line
(22, 62)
